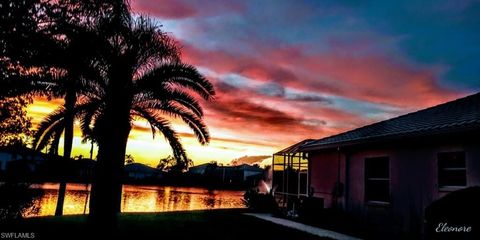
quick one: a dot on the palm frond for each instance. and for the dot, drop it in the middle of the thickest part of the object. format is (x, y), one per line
(193, 121)
(88, 112)
(164, 96)
(163, 126)
(150, 45)
(55, 139)
(176, 74)
(53, 124)
(47, 127)
(39, 83)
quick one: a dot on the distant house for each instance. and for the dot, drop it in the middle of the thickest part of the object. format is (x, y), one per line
(6, 156)
(248, 171)
(386, 174)
(23, 163)
(83, 169)
(10, 156)
(241, 175)
(138, 171)
(199, 169)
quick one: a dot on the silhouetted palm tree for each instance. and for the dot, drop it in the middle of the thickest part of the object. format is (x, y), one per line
(129, 70)
(143, 77)
(139, 76)
(74, 80)
(57, 49)
(49, 132)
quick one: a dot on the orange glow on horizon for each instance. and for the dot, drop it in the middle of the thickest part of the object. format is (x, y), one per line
(223, 147)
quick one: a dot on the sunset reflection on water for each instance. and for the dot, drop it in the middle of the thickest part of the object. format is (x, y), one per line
(140, 199)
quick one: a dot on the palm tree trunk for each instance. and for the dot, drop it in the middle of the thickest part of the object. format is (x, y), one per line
(106, 188)
(114, 128)
(70, 99)
(87, 179)
(91, 150)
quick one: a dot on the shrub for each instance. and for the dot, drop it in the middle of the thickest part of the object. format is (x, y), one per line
(17, 200)
(260, 202)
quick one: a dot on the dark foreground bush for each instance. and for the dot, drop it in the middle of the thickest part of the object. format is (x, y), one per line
(260, 202)
(17, 199)
(455, 216)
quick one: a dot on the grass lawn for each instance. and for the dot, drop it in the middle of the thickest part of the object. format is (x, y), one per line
(211, 224)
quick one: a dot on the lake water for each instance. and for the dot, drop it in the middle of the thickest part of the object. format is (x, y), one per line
(140, 199)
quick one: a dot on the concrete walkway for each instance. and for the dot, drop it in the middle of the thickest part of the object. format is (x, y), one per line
(302, 227)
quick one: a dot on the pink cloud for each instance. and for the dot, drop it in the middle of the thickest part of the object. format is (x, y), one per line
(371, 78)
(179, 9)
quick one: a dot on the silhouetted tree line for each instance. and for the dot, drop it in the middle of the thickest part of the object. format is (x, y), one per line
(14, 123)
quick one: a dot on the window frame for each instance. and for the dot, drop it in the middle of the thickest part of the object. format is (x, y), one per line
(367, 179)
(299, 165)
(450, 187)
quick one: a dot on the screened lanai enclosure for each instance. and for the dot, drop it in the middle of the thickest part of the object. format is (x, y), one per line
(290, 176)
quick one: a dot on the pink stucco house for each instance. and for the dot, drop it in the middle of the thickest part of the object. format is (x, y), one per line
(386, 174)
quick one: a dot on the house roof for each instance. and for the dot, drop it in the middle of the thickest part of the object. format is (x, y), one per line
(459, 115)
(247, 167)
(201, 166)
(138, 167)
(25, 152)
(295, 148)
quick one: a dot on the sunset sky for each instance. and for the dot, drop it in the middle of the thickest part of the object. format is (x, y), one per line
(289, 70)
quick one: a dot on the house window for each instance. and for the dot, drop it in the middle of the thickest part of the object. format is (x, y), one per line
(377, 179)
(452, 171)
